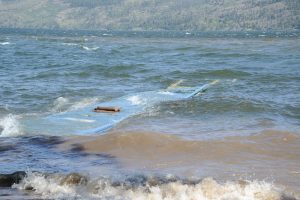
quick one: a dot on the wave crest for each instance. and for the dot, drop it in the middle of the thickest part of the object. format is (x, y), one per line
(76, 186)
(62, 104)
(4, 43)
(9, 126)
(90, 48)
(59, 104)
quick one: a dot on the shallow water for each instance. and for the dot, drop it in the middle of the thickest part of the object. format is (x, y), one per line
(238, 140)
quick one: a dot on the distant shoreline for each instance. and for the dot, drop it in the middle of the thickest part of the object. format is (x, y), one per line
(152, 15)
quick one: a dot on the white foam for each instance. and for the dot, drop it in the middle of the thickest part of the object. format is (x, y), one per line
(4, 43)
(62, 104)
(59, 104)
(84, 103)
(208, 189)
(166, 92)
(47, 187)
(10, 126)
(79, 120)
(70, 44)
(135, 100)
(90, 48)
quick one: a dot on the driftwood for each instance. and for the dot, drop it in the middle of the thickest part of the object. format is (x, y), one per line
(107, 109)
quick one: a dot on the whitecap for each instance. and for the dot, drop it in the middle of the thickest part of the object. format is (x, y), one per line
(5, 43)
(10, 126)
(70, 44)
(75, 186)
(135, 100)
(90, 48)
(84, 103)
(62, 104)
(59, 104)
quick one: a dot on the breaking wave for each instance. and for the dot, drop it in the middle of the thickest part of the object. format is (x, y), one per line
(62, 104)
(76, 186)
(83, 103)
(9, 126)
(136, 100)
(59, 104)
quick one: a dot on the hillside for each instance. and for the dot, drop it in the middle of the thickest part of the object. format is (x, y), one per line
(200, 15)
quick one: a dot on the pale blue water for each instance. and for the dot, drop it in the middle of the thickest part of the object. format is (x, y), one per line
(44, 73)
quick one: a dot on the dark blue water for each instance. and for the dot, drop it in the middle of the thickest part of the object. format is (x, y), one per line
(47, 72)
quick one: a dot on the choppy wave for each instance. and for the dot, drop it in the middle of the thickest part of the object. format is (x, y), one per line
(222, 73)
(54, 75)
(76, 186)
(222, 105)
(55, 39)
(231, 75)
(10, 126)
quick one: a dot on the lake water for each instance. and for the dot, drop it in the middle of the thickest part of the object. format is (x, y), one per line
(238, 140)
